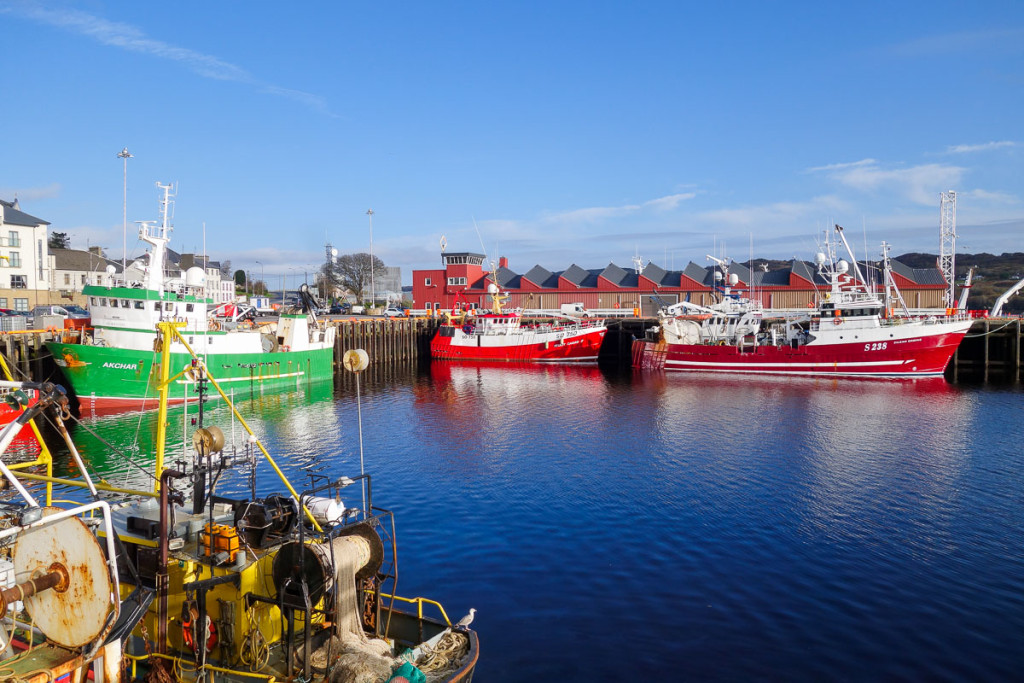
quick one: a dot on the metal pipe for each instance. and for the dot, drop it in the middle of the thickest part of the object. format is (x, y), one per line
(162, 579)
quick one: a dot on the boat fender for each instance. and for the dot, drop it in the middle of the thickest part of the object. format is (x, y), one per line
(721, 343)
(837, 321)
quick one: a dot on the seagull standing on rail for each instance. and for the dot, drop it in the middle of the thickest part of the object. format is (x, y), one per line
(465, 621)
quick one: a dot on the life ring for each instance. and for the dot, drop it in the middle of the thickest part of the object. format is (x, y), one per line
(837, 321)
(616, 304)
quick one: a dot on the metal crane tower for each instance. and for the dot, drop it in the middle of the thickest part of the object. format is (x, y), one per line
(947, 251)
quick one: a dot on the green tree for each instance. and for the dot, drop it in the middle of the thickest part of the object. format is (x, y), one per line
(59, 240)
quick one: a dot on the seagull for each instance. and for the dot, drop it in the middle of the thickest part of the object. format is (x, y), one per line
(465, 621)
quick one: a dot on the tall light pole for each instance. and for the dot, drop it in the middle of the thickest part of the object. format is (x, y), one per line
(373, 300)
(126, 155)
(262, 280)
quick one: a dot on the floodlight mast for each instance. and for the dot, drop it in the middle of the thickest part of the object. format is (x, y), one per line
(947, 248)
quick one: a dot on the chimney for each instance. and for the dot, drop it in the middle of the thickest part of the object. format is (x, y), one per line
(503, 262)
(98, 251)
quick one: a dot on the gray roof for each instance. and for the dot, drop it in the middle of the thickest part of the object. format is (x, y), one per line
(695, 272)
(15, 216)
(507, 279)
(576, 275)
(928, 276)
(655, 274)
(542, 277)
(76, 259)
(616, 275)
(187, 261)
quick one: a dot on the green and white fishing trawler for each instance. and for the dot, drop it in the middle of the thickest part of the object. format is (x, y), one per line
(114, 366)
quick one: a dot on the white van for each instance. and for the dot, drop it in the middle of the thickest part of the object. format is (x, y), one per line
(578, 310)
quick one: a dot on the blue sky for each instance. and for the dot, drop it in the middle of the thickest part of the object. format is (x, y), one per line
(561, 132)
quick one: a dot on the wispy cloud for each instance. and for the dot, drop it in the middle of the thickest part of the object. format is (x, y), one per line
(28, 194)
(920, 184)
(598, 213)
(991, 197)
(775, 214)
(984, 147)
(1003, 40)
(127, 37)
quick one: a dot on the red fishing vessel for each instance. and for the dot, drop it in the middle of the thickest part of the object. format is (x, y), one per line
(851, 331)
(501, 335)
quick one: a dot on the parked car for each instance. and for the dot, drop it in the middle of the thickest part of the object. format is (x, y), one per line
(357, 309)
(393, 312)
(340, 308)
(69, 311)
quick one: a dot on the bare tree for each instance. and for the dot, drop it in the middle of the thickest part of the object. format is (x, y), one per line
(352, 272)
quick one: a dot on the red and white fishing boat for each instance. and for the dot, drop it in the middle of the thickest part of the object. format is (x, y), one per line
(502, 335)
(851, 331)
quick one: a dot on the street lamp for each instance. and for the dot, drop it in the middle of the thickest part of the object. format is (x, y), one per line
(373, 299)
(263, 280)
(126, 155)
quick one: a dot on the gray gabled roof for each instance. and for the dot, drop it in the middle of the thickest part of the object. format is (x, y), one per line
(617, 276)
(695, 272)
(576, 275)
(187, 261)
(771, 278)
(805, 270)
(76, 259)
(15, 216)
(541, 277)
(928, 276)
(507, 279)
(654, 273)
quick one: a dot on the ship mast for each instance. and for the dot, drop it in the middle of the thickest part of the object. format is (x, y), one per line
(157, 237)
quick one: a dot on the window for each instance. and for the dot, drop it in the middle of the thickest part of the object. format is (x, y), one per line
(83, 280)
(12, 239)
(169, 307)
(189, 307)
(20, 304)
(3, 302)
(426, 281)
(18, 282)
(113, 303)
(125, 304)
(141, 305)
(15, 259)
(456, 281)
(67, 278)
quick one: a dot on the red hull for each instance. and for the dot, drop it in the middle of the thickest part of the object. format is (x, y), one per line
(577, 349)
(916, 357)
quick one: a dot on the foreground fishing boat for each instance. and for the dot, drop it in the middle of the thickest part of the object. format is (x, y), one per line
(851, 331)
(501, 335)
(278, 587)
(112, 368)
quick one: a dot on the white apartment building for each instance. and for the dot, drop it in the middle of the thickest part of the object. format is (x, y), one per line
(24, 259)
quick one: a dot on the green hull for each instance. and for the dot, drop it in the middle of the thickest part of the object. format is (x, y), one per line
(110, 379)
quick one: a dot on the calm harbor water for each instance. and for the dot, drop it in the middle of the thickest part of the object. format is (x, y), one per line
(623, 528)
